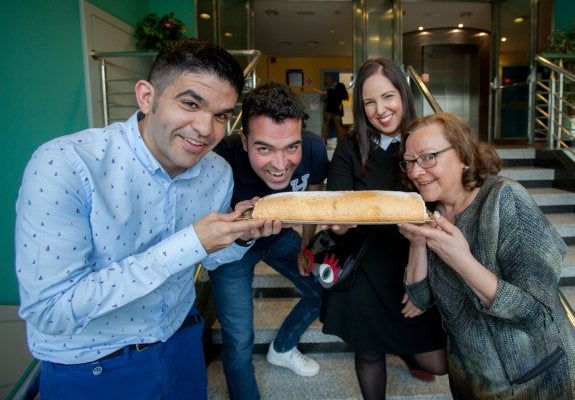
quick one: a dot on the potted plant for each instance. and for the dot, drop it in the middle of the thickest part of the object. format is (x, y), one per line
(152, 32)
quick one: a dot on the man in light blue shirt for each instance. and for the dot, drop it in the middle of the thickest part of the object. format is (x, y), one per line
(110, 225)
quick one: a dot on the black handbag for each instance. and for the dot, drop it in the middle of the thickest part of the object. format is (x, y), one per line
(331, 262)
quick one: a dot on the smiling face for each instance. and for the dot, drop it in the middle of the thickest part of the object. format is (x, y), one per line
(274, 149)
(187, 120)
(442, 182)
(382, 104)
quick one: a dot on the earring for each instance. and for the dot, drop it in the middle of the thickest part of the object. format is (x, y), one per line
(465, 168)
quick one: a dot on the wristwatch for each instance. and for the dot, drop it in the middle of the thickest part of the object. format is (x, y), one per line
(244, 243)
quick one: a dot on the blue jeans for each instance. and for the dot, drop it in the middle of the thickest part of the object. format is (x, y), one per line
(233, 296)
(172, 370)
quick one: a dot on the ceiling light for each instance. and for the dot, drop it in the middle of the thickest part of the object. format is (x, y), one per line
(504, 39)
(519, 20)
(271, 13)
(205, 16)
(420, 28)
(460, 25)
(312, 43)
(228, 34)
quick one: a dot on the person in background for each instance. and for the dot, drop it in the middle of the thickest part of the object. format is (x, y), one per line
(334, 96)
(271, 154)
(491, 262)
(374, 315)
(110, 225)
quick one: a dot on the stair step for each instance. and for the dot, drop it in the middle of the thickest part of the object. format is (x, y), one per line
(564, 223)
(269, 313)
(267, 277)
(528, 173)
(551, 196)
(336, 380)
(568, 270)
(516, 153)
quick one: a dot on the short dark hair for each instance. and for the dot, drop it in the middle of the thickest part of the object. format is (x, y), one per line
(194, 55)
(274, 100)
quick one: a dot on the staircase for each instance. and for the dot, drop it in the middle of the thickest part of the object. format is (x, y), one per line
(274, 297)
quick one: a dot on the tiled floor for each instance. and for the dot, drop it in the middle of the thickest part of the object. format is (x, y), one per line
(336, 381)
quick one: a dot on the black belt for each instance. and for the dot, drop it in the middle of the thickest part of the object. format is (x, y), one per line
(189, 321)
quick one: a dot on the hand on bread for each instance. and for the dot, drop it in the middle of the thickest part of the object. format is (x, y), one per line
(217, 231)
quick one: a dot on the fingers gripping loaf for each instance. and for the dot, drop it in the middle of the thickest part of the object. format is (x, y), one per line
(368, 206)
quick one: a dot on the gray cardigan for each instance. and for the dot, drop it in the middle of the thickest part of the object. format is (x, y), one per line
(523, 345)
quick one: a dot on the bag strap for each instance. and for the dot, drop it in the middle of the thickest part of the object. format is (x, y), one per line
(364, 247)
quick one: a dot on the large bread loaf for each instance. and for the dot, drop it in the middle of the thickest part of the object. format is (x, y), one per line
(361, 207)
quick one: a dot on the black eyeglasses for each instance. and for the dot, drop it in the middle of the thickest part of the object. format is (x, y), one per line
(425, 161)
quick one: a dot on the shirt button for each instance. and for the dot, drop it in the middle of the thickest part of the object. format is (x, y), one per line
(97, 371)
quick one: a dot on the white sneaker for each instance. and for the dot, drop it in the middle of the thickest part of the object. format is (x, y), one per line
(294, 360)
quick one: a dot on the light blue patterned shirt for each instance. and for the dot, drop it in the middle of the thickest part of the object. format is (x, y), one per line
(105, 247)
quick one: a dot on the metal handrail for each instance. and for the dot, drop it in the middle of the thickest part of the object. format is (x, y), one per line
(249, 72)
(421, 87)
(552, 113)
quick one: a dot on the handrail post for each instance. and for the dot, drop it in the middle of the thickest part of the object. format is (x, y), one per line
(104, 90)
(551, 111)
(531, 115)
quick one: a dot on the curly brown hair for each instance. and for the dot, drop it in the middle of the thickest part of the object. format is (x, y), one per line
(480, 158)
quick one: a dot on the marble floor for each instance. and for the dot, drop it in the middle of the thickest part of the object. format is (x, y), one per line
(336, 381)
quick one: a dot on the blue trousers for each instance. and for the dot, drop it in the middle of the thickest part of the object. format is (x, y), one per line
(174, 370)
(233, 296)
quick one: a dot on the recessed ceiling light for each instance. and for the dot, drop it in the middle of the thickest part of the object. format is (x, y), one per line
(228, 34)
(460, 25)
(312, 43)
(420, 28)
(504, 39)
(519, 20)
(205, 16)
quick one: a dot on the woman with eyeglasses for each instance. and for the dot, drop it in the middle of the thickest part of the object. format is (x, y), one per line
(374, 316)
(491, 263)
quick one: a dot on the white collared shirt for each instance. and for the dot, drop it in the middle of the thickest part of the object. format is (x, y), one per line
(385, 141)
